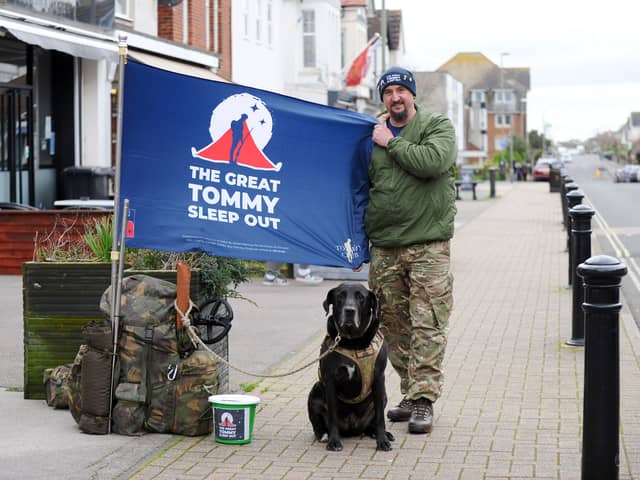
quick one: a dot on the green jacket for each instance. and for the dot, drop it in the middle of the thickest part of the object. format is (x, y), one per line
(412, 193)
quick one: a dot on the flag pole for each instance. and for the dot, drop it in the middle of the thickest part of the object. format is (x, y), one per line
(116, 253)
(383, 27)
(122, 60)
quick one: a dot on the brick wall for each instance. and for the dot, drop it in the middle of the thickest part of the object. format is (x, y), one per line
(224, 39)
(170, 27)
(493, 132)
(197, 24)
(170, 23)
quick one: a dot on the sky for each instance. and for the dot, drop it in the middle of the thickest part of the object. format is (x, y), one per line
(584, 57)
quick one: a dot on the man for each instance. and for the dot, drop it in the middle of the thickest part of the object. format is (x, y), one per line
(409, 222)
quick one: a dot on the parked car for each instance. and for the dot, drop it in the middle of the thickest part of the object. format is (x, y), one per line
(628, 173)
(542, 169)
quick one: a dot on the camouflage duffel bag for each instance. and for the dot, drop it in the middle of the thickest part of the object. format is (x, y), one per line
(56, 386)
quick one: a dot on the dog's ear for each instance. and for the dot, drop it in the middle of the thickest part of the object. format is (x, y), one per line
(373, 301)
(329, 300)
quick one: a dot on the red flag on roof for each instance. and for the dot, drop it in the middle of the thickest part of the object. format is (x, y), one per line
(358, 69)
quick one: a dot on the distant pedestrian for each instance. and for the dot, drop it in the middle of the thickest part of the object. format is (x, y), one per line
(409, 222)
(303, 274)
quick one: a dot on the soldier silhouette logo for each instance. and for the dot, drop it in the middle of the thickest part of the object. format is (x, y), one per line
(240, 128)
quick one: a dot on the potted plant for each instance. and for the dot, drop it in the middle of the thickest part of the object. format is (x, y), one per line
(62, 288)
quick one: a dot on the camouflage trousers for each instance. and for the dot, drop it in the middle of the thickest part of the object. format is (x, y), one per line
(414, 289)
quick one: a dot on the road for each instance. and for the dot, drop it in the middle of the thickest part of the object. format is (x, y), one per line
(616, 225)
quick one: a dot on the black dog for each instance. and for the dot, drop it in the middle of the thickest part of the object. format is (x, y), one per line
(350, 397)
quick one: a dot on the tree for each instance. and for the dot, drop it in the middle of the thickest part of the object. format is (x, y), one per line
(535, 144)
(535, 140)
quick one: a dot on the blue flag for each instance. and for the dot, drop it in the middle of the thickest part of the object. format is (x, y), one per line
(240, 172)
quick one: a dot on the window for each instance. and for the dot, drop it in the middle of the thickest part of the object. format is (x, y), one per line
(258, 20)
(270, 23)
(503, 120)
(245, 18)
(122, 8)
(477, 96)
(504, 96)
(309, 38)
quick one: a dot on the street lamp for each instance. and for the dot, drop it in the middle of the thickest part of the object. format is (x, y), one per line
(523, 117)
(502, 55)
(543, 149)
(544, 134)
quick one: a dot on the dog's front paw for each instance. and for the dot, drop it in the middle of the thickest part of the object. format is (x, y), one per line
(384, 445)
(334, 445)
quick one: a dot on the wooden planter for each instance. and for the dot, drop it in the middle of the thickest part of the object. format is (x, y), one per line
(59, 299)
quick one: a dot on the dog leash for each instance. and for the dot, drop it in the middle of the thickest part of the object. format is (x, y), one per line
(197, 341)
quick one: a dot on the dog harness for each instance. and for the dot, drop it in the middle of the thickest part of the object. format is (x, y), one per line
(365, 360)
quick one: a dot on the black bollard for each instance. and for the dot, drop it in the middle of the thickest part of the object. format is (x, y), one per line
(492, 181)
(574, 197)
(580, 251)
(563, 198)
(601, 414)
(565, 215)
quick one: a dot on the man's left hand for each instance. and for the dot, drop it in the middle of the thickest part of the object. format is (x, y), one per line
(382, 135)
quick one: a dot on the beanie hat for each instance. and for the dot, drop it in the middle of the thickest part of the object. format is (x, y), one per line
(397, 76)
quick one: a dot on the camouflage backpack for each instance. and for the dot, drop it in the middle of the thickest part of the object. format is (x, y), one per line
(56, 386)
(157, 390)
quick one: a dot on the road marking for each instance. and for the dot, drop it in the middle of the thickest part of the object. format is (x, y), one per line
(621, 251)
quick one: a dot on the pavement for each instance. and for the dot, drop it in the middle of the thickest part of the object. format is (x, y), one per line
(511, 405)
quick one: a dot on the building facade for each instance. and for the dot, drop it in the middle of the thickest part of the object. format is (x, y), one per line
(287, 46)
(59, 69)
(58, 61)
(495, 100)
(440, 92)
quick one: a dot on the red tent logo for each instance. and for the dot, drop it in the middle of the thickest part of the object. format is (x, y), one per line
(240, 128)
(226, 420)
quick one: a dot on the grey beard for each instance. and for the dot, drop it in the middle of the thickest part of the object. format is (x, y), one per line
(399, 116)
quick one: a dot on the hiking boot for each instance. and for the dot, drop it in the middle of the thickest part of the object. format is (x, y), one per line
(402, 412)
(274, 279)
(421, 420)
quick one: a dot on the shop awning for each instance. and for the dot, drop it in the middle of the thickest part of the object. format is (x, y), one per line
(174, 66)
(94, 45)
(55, 36)
(159, 46)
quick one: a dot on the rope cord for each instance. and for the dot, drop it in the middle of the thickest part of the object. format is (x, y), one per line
(197, 341)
